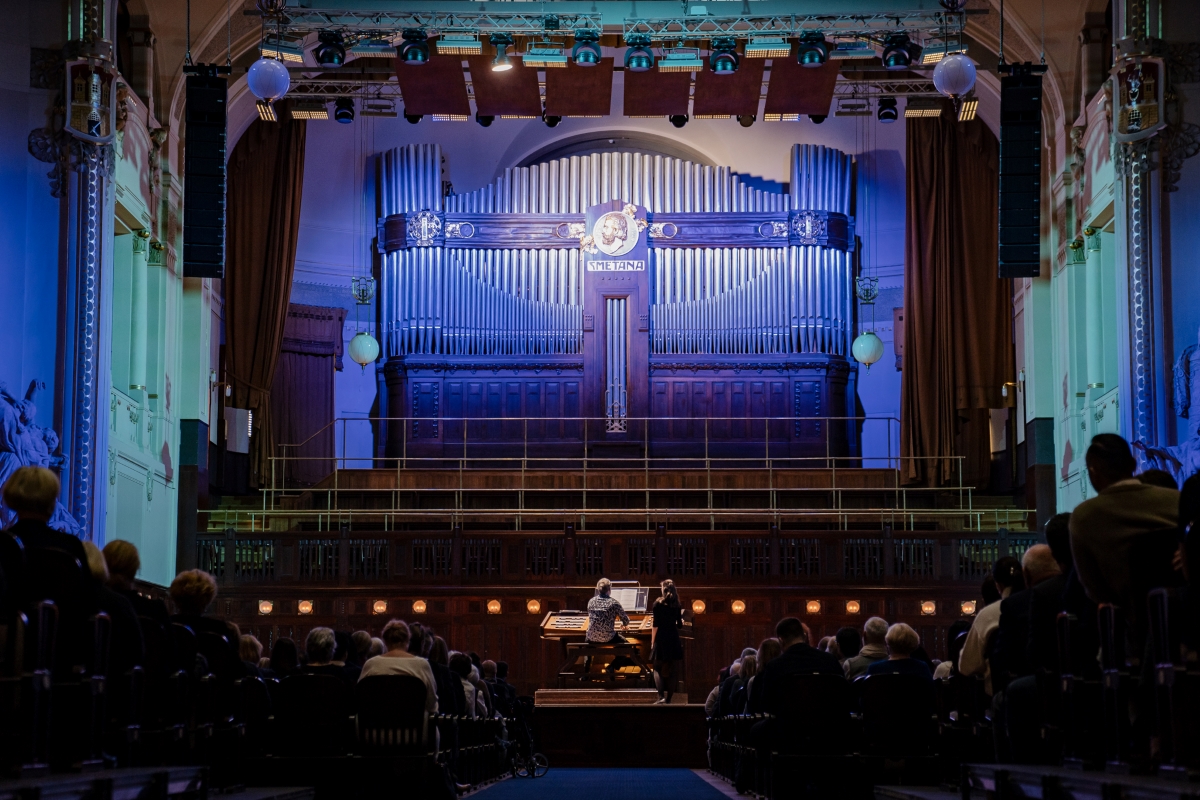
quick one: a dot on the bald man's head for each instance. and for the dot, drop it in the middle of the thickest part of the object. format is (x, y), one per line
(1038, 564)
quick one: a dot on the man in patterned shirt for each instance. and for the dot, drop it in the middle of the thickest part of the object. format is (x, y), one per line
(602, 615)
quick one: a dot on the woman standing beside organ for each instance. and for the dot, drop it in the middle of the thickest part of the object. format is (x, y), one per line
(666, 650)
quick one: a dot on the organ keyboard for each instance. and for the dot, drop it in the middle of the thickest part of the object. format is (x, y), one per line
(574, 625)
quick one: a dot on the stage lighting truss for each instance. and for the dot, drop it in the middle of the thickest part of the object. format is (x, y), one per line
(680, 59)
(767, 47)
(459, 44)
(545, 55)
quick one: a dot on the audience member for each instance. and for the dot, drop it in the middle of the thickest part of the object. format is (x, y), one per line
(126, 648)
(342, 652)
(798, 657)
(319, 647)
(285, 658)
(505, 692)
(483, 695)
(768, 651)
(123, 564)
(192, 592)
(988, 591)
(398, 661)
(360, 648)
(1010, 650)
(250, 650)
(1046, 599)
(451, 697)
(849, 642)
(956, 636)
(378, 648)
(1106, 529)
(741, 693)
(901, 641)
(973, 659)
(1158, 477)
(460, 665)
(874, 648)
(31, 493)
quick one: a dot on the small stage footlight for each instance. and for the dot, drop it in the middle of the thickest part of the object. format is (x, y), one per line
(853, 607)
(265, 606)
(305, 607)
(493, 606)
(379, 607)
(343, 110)
(419, 607)
(813, 606)
(724, 58)
(533, 606)
(928, 608)
(887, 111)
(738, 606)
(967, 607)
(698, 606)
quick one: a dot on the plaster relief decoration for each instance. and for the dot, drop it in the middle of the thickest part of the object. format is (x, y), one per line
(24, 443)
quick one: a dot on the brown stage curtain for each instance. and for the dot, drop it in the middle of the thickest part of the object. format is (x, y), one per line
(958, 314)
(302, 403)
(266, 179)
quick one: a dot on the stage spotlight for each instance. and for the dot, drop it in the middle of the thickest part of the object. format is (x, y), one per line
(266, 111)
(698, 606)
(305, 607)
(484, 120)
(587, 48)
(265, 606)
(493, 606)
(533, 606)
(897, 51)
(551, 120)
(814, 50)
(343, 110)
(420, 607)
(379, 607)
(412, 119)
(678, 120)
(330, 50)
(415, 50)
(928, 608)
(887, 111)
(817, 119)
(966, 109)
(813, 606)
(853, 607)
(967, 607)
(459, 44)
(738, 606)
(724, 58)
(638, 57)
(746, 120)
(501, 42)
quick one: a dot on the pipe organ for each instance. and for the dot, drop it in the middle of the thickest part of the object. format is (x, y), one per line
(619, 287)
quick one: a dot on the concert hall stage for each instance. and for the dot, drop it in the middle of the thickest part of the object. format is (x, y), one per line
(634, 734)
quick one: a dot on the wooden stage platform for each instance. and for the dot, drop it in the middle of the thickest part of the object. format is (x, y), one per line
(632, 735)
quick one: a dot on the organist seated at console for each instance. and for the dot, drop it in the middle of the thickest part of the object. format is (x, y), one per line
(603, 612)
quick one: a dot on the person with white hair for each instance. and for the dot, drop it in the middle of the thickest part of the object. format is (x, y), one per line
(603, 612)
(874, 648)
(901, 641)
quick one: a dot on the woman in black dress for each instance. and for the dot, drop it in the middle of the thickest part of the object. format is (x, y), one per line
(665, 648)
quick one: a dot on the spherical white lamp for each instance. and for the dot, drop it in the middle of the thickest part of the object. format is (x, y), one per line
(867, 349)
(364, 349)
(954, 75)
(268, 79)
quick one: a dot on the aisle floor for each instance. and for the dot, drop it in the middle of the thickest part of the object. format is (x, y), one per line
(611, 784)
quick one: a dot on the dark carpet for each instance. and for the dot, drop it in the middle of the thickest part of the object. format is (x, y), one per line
(605, 784)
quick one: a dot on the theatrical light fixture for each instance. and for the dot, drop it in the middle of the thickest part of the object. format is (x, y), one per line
(967, 109)
(343, 110)
(933, 53)
(415, 49)
(419, 607)
(379, 107)
(586, 52)
(501, 41)
(493, 606)
(305, 607)
(723, 60)
(746, 120)
(373, 47)
(449, 117)
(545, 55)
(817, 119)
(781, 117)
(768, 47)
(855, 48)
(484, 120)
(283, 50)
(310, 109)
(853, 107)
(967, 607)
(330, 51)
(379, 607)
(698, 606)
(887, 111)
(678, 120)
(551, 120)
(265, 606)
(638, 55)
(533, 606)
(897, 51)
(919, 107)
(266, 111)
(459, 44)
(738, 606)
(814, 50)
(928, 608)
(813, 607)
(853, 607)
(680, 59)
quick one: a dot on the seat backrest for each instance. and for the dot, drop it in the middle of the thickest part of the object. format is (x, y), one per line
(897, 710)
(183, 648)
(814, 704)
(391, 711)
(1150, 567)
(12, 568)
(312, 708)
(222, 659)
(56, 575)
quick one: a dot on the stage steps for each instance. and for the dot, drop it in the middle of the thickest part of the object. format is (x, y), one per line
(998, 781)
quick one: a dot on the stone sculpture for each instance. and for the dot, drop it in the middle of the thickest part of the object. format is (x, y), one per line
(24, 443)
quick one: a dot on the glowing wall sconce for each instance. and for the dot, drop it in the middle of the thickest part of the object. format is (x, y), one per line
(738, 606)
(305, 607)
(379, 607)
(419, 607)
(968, 607)
(853, 607)
(698, 606)
(928, 608)
(265, 606)
(533, 606)
(813, 606)
(493, 606)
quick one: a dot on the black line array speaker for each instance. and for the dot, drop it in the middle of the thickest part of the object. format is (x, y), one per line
(204, 174)
(1020, 174)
